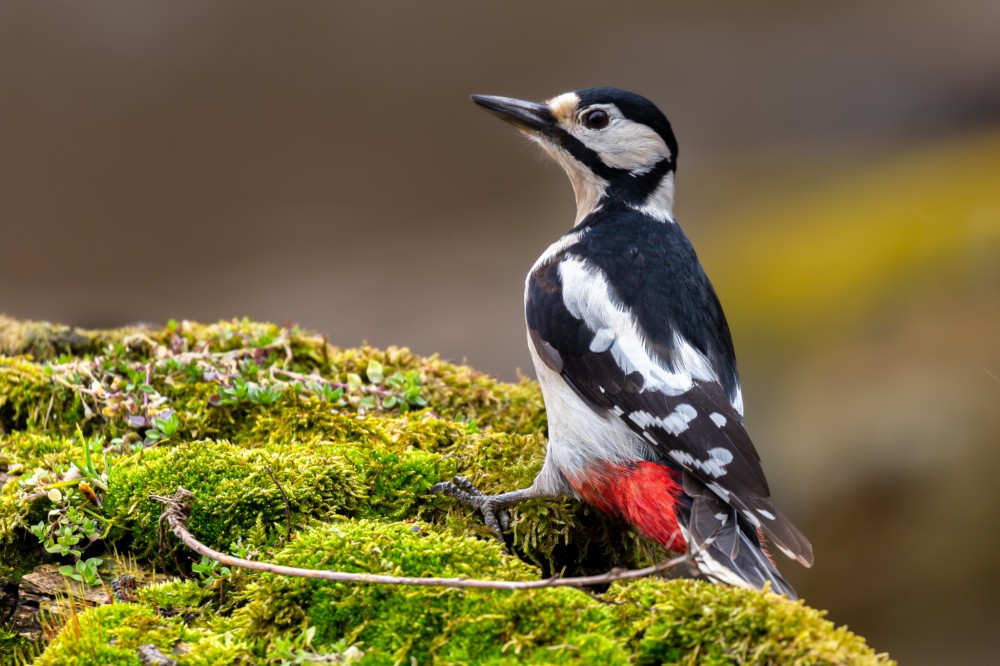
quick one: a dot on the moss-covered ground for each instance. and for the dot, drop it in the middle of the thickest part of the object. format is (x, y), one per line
(304, 454)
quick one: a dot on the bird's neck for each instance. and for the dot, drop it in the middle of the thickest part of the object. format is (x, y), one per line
(660, 202)
(594, 194)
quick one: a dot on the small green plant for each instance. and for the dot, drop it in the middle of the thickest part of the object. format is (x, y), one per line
(266, 394)
(244, 391)
(408, 388)
(235, 394)
(165, 426)
(71, 531)
(84, 571)
(88, 470)
(72, 524)
(399, 391)
(300, 650)
(211, 572)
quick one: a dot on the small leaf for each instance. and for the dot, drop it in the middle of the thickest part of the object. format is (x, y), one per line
(354, 382)
(375, 372)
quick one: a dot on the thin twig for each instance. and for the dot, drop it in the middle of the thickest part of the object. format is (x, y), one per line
(48, 412)
(365, 388)
(615, 602)
(178, 507)
(288, 506)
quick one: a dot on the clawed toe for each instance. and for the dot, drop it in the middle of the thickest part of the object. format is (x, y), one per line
(466, 485)
(461, 489)
(495, 516)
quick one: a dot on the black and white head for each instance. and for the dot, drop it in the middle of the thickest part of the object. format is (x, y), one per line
(613, 144)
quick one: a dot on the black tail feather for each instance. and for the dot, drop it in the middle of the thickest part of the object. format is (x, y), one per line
(750, 564)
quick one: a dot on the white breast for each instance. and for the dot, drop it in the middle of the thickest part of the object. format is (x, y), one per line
(579, 436)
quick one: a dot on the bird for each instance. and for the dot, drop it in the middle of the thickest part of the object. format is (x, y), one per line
(634, 355)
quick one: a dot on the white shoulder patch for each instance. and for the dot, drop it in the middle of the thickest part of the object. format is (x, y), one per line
(588, 296)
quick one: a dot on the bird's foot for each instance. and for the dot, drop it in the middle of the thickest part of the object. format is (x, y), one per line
(492, 507)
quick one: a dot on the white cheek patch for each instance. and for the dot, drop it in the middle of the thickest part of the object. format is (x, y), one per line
(623, 144)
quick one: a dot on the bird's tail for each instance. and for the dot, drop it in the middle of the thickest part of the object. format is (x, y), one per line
(744, 563)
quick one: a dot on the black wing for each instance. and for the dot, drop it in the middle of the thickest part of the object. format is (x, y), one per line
(659, 384)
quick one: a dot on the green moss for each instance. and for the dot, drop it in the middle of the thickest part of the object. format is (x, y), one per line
(701, 623)
(14, 649)
(356, 472)
(30, 400)
(85, 640)
(233, 489)
(645, 621)
(111, 636)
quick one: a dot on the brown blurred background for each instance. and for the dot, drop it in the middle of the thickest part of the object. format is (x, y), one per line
(321, 163)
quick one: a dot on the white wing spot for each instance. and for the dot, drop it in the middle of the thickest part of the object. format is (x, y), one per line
(766, 514)
(714, 466)
(675, 423)
(718, 419)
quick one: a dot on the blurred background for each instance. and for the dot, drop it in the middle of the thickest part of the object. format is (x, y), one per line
(320, 163)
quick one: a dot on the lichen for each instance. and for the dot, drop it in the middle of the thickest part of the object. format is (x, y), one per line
(257, 419)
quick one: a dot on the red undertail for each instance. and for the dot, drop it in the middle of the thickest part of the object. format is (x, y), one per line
(643, 493)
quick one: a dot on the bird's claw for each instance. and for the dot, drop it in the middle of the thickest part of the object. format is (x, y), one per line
(496, 517)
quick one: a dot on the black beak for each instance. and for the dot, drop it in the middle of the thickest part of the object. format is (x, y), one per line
(530, 116)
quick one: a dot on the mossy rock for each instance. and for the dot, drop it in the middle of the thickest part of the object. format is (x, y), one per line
(304, 454)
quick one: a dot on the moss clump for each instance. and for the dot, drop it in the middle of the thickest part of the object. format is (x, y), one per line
(431, 625)
(235, 492)
(92, 422)
(30, 400)
(645, 621)
(112, 635)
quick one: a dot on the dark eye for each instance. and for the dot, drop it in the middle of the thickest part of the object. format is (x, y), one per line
(596, 119)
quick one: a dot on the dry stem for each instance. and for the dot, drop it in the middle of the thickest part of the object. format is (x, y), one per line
(177, 509)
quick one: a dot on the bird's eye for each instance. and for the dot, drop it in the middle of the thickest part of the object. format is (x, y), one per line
(596, 119)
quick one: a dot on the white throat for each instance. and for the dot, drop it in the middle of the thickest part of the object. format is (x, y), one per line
(588, 187)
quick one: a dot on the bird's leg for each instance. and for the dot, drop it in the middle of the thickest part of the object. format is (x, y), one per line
(493, 507)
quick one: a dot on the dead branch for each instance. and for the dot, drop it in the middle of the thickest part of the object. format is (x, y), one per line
(177, 509)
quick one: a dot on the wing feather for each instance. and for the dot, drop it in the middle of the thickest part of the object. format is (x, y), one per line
(664, 389)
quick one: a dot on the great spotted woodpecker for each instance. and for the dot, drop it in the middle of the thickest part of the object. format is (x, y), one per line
(634, 355)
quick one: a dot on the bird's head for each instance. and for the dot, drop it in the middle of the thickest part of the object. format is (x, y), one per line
(613, 144)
